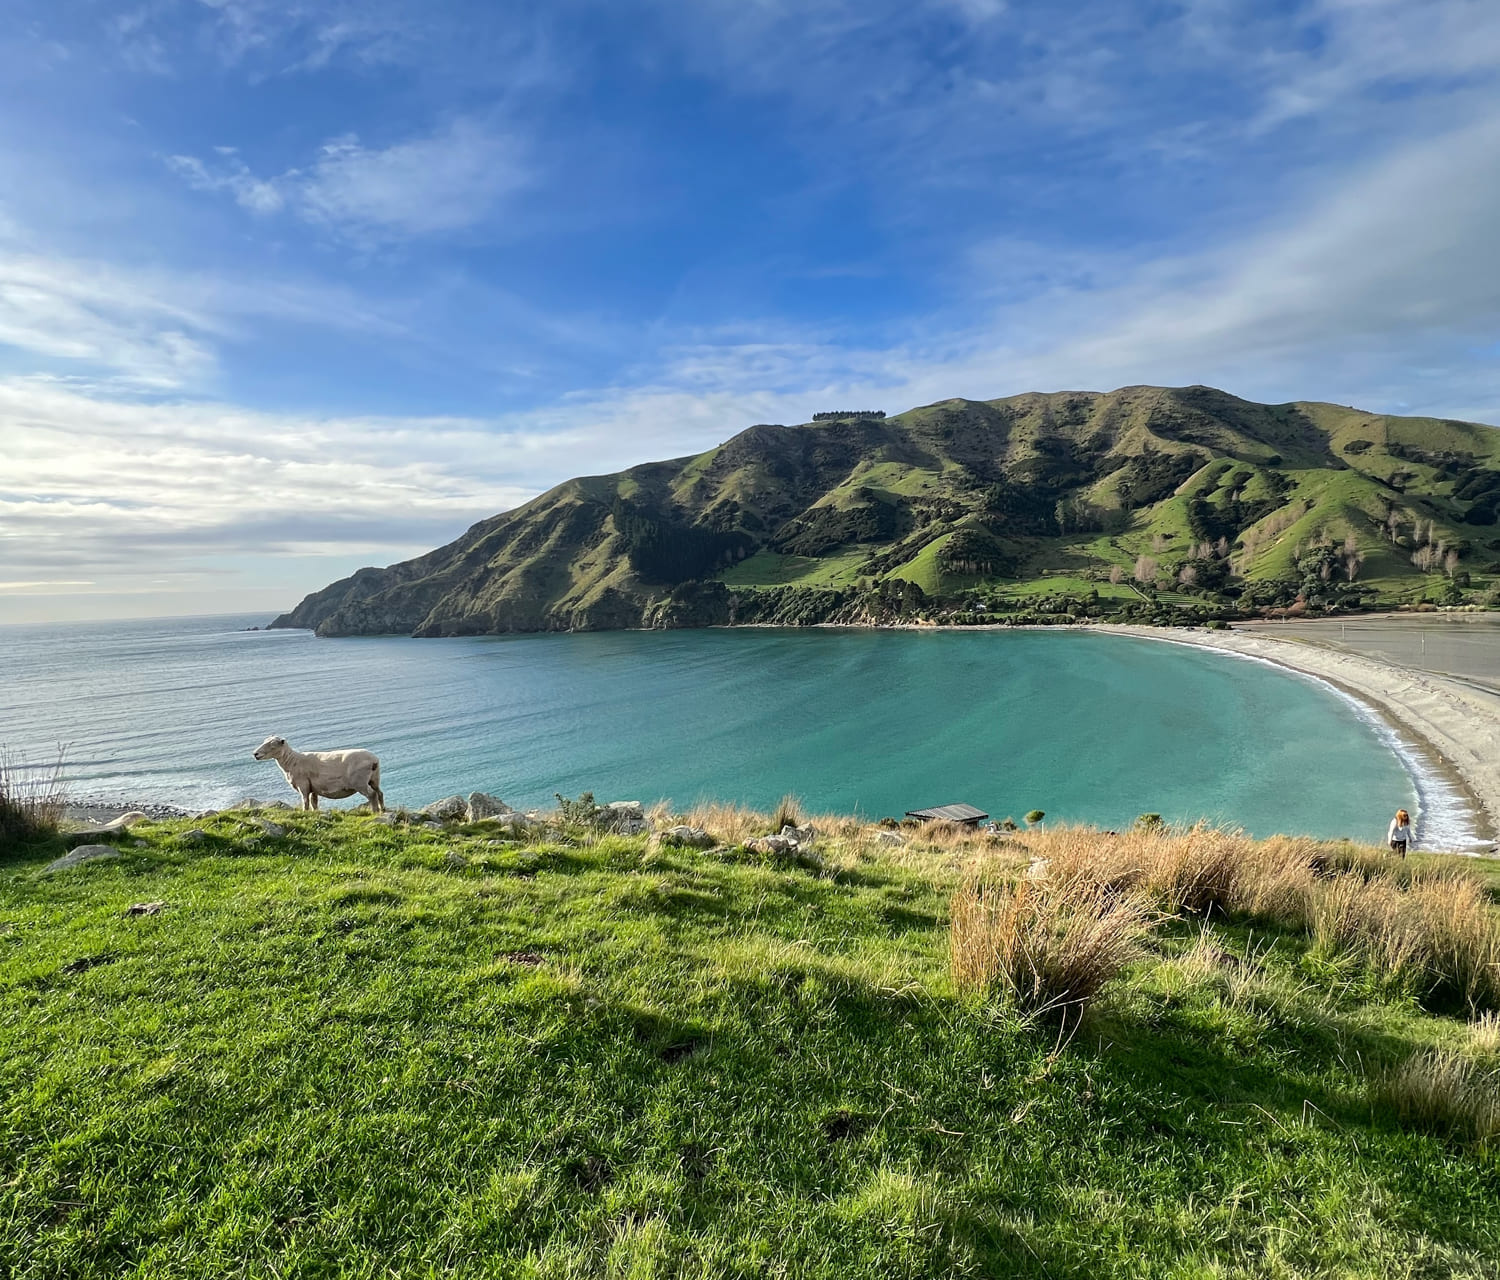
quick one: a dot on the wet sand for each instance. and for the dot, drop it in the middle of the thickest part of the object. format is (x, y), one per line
(1457, 719)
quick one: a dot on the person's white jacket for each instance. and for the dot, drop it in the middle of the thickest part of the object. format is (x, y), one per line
(1401, 831)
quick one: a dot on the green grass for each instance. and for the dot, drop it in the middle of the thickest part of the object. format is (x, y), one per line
(368, 1051)
(772, 569)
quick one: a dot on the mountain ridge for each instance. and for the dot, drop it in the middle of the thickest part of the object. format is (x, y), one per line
(1185, 499)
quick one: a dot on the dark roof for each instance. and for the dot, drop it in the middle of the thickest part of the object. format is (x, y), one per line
(949, 813)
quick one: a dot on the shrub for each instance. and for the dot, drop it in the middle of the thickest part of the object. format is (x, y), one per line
(1034, 817)
(582, 812)
(1444, 1091)
(32, 798)
(1048, 946)
(1149, 822)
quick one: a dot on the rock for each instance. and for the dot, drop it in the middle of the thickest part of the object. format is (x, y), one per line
(486, 806)
(145, 909)
(196, 836)
(80, 855)
(249, 802)
(804, 836)
(108, 831)
(629, 810)
(893, 838)
(685, 837)
(430, 825)
(273, 829)
(448, 809)
(772, 846)
(386, 819)
(277, 804)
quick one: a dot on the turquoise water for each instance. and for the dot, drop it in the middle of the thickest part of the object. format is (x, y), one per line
(1087, 727)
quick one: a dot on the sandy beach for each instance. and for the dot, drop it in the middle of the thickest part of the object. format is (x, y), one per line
(1458, 721)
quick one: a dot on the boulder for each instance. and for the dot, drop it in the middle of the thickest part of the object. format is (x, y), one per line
(273, 829)
(448, 809)
(196, 836)
(486, 806)
(772, 846)
(145, 909)
(892, 838)
(685, 837)
(627, 810)
(108, 831)
(80, 855)
(804, 836)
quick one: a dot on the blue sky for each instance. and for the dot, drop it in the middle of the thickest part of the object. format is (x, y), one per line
(291, 286)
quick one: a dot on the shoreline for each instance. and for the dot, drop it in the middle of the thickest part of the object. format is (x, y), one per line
(1456, 723)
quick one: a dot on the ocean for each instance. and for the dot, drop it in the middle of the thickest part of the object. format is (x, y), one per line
(1087, 727)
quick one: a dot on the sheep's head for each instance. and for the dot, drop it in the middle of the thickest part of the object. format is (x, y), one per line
(269, 749)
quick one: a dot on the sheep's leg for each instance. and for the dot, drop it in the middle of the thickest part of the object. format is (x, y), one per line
(309, 801)
(312, 797)
(374, 794)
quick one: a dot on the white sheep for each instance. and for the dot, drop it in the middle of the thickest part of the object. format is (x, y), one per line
(334, 774)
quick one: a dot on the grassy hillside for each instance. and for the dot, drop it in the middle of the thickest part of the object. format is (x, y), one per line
(352, 1049)
(1202, 504)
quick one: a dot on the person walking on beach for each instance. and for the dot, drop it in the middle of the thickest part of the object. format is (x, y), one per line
(1400, 832)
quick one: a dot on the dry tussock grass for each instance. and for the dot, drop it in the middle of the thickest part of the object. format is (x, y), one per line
(1435, 929)
(1050, 946)
(32, 799)
(1484, 1035)
(1443, 1090)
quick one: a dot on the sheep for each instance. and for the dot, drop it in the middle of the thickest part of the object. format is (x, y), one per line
(334, 774)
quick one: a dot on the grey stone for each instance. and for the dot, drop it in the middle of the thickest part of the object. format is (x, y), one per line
(108, 831)
(804, 836)
(633, 810)
(772, 845)
(273, 829)
(196, 836)
(145, 909)
(447, 809)
(683, 836)
(249, 802)
(486, 806)
(387, 819)
(80, 855)
(893, 838)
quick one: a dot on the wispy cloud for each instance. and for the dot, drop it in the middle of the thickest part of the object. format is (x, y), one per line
(446, 181)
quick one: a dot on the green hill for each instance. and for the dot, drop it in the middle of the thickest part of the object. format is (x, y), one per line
(1145, 499)
(333, 1047)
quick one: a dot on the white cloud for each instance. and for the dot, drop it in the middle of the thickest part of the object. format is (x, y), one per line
(101, 316)
(445, 182)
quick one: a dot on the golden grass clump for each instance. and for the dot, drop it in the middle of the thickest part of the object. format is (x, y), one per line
(1442, 1090)
(1432, 929)
(1048, 946)
(32, 798)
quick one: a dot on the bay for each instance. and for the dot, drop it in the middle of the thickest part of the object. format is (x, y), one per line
(1089, 728)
